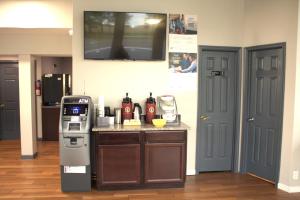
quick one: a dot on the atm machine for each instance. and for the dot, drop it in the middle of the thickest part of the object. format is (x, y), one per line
(74, 143)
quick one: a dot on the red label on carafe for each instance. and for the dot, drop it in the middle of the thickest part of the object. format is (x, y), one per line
(150, 112)
(126, 111)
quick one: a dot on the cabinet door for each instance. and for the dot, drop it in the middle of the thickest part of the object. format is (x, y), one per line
(118, 165)
(50, 123)
(164, 162)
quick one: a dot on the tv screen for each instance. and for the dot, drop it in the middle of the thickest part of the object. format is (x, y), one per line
(124, 35)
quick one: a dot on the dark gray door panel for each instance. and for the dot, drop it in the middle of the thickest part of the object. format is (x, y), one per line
(265, 105)
(217, 100)
(9, 101)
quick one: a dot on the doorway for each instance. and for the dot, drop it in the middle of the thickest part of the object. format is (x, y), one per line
(51, 71)
(263, 106)
(9, 101)
(218, 109)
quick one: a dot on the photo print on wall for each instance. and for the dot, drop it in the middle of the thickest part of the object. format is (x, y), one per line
(182, 24)
(183, 62)
(182, 43)
(183, 53)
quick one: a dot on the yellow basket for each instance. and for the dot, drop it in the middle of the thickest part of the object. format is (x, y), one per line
(159, 123)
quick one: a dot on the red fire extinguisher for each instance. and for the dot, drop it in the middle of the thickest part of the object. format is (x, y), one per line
(126, 108)
(150, 109)
(38, 87)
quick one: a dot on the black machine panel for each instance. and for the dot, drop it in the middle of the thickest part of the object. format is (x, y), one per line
(76, 100)
(75, 109)
(54, 87)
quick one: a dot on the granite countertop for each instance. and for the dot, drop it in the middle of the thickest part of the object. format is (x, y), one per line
(143, 127)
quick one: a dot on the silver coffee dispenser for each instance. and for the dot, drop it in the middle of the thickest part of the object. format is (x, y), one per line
(74, 143)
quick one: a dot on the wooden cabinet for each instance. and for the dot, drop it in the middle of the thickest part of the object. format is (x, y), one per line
(118, 159)
(164, 163)
(118, 164)
(165, 157)
(140, 159)
(50, 121)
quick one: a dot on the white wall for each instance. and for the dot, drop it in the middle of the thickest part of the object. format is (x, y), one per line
(47, 42)
(48, 23)
(219, 23)
(8, 57)
(36, 14)
(27, 106)
(296, 132)
(269, 22)
(35, 41)
(38, 99)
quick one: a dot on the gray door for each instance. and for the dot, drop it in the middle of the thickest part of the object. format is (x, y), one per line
(9, 101)
(217, 111)
(265, 102)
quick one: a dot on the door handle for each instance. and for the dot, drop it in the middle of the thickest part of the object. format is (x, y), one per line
(2, 105)
(203, 117)
(251, 119)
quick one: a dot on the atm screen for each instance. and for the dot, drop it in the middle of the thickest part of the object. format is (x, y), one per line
(75, 109)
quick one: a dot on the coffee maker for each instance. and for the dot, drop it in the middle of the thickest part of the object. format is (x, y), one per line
(167, 109)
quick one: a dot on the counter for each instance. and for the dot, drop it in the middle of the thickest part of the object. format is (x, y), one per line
(125, 157)
(143, 127)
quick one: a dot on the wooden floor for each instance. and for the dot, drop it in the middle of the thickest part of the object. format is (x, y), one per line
(40, 179)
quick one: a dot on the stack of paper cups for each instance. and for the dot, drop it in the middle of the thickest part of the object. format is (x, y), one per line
(101, 106)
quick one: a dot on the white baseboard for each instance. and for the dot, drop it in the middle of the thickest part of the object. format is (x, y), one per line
(190, 172)
(283, 187)
(289, 189)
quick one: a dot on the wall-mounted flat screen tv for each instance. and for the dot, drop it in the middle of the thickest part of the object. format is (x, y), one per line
(124, 35)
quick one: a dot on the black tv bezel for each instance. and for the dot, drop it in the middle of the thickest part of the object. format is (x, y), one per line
(116, 59)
